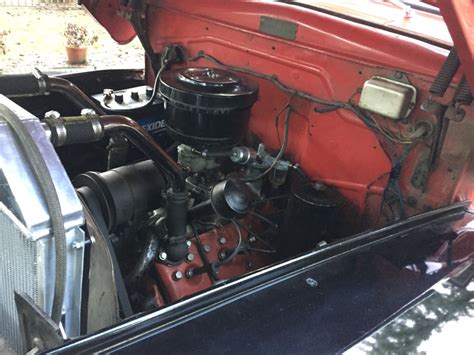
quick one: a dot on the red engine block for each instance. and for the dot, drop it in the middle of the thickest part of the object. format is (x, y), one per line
(176, 282)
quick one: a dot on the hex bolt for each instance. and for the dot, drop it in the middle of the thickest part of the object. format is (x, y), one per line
(188, 243)
(311, 282)
(222, 240)
(190, 257)
(222, 255)
(252, 239)
(162, 256)
(80, 245)
(178, 275)
(190, 273)
(207, 248)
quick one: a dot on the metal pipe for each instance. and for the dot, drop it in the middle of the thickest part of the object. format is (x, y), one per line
(91, 128)
(145, 143)
(75, 94)
(146, 258)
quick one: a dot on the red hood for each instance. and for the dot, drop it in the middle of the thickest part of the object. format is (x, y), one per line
(457, 14)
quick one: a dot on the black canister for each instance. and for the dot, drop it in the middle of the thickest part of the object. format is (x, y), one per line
(310, 217)
(207, 108)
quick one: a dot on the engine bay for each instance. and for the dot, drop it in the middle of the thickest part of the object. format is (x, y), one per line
(210, 202)
(218, 161)
(208, 205)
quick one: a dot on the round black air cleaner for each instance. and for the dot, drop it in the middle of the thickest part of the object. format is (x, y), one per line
(207, 107)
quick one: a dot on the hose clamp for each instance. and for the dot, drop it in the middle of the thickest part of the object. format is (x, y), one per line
(42, 83)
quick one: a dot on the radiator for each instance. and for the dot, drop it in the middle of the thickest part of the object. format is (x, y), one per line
(27, 255)
(19, 271)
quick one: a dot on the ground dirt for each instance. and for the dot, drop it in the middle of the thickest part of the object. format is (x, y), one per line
(34, 38)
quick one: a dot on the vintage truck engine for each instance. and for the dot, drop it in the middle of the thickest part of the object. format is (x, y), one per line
(222, 215)
(191, 203)
(250, 148)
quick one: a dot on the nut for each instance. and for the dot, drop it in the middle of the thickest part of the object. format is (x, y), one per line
(222, 255)
(162, 256)
(311, 282)
(77, 245)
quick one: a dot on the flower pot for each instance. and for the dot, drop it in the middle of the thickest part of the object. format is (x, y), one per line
(76, 55)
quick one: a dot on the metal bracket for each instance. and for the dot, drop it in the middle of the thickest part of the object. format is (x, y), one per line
(439, 111)
(433, 107)
(454, 113)
(39, 332)
(421, 173)
(400, 76)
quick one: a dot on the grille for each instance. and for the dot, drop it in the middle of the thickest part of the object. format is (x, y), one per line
(18, 272)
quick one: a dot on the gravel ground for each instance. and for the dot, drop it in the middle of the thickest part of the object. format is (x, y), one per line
(34, 39)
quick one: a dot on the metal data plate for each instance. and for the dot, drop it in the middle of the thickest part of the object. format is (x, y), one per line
(389, 98)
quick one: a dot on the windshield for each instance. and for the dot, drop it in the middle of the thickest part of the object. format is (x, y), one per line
(411, 17)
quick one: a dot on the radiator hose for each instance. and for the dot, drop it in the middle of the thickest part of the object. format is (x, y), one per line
(37, 83)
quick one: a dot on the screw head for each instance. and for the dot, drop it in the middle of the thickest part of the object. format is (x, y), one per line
(207, 248)
(190, 257)
(222, 240)
(311, 282)
(162, 256)
(178, 275)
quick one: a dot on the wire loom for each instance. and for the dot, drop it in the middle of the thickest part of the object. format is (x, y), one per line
(383, 136)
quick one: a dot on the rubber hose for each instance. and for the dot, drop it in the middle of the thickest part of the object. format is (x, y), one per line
(19, 85)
